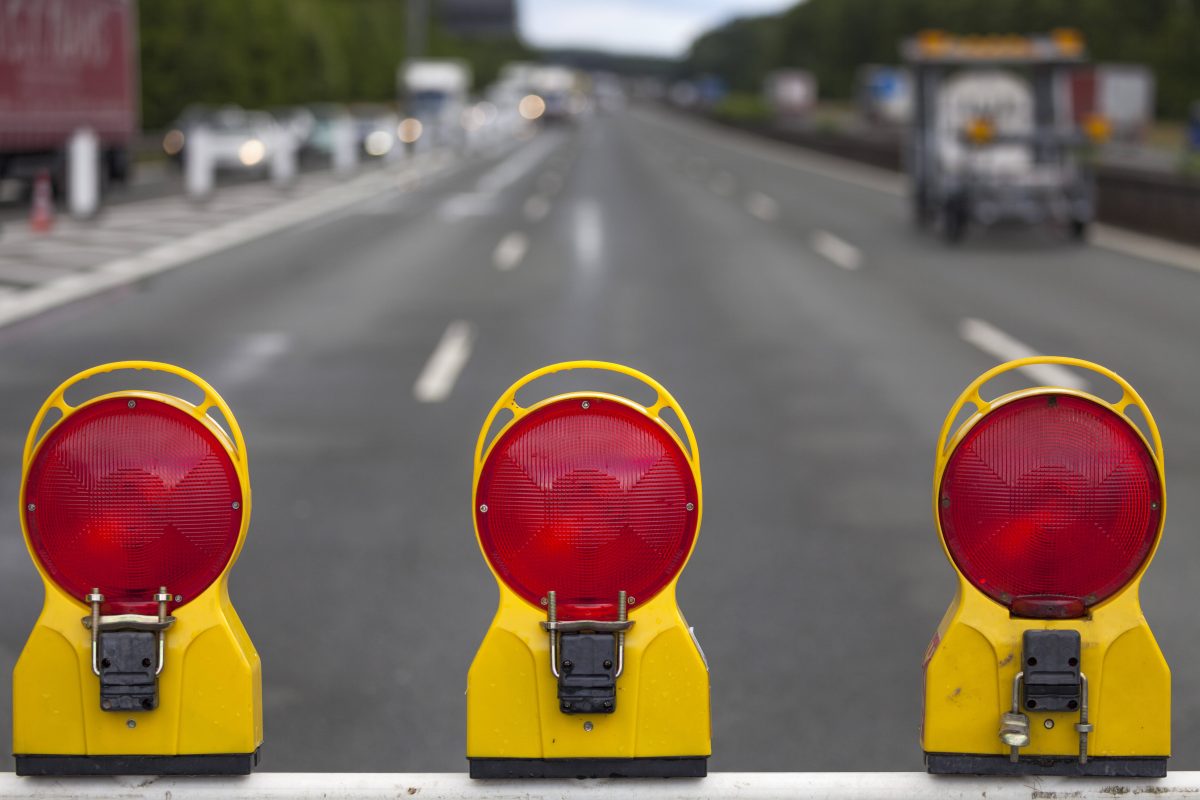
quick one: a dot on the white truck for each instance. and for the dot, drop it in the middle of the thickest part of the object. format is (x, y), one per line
(436, 92)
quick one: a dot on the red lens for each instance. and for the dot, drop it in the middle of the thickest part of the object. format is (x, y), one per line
(1050, 504)
(586, 502)
(129, 499)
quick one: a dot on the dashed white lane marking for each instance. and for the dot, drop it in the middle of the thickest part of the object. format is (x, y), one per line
(437, 379)
(253, 354)
(762, 206)
(518, 165)
(588, 233)
(995, 342)
(837, 250)
(510, 251)
(471, 204)
(1147, 247)
(536, 208)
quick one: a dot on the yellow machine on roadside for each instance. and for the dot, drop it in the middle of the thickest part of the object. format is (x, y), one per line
(587, 507)
(1050, 504)
(134, 505)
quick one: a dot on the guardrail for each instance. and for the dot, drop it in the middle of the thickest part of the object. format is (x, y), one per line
(457, 786)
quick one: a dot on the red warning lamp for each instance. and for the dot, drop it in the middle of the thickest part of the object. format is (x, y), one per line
(130, 494)
(587, 507)
(586, 498)
(134, 506)
(1050, 504)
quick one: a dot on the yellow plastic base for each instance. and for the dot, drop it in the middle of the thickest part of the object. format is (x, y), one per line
(662, 706)
(977, 652)
(210, 689)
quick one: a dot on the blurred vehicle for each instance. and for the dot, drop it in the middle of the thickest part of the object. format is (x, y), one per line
(791, 95)
(375, 128)
(435, 92)
(66, 66)
(991, 139)
(240, 140)
(1122, 95)
(885, 95)
(560, 89)
(320, 139)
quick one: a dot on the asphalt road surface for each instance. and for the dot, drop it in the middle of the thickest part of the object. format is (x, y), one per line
(813, 337)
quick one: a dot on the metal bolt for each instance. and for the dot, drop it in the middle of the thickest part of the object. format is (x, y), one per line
(608, 663)
(31, 507)
(236, 505)
(483, 508)
(585, 405)
(690, 506)
(1048, 724)
(132, 404)
(178, 598)
(1153, 506)
(566, 706)
(587, 726)
(608, 703)
(130, 723)
(106, 704)
(567, 664)
(945, 502)
(630, 600)
(544, 601)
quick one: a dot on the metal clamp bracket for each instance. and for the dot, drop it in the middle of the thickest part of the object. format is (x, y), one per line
(582, 657)
(123, 653)
(1052, 682)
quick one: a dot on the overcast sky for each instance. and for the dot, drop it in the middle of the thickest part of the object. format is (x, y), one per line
(651, 27)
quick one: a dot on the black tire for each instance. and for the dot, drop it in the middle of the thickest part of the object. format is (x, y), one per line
(1078, 230)
(954, 220)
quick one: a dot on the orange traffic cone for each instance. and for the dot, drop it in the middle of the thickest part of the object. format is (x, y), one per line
(41, 216)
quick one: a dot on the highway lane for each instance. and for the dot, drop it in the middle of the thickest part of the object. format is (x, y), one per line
(816, 390)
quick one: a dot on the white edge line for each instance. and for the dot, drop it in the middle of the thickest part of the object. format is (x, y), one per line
(163, 258)
(995, 342)
(1107, 237)
(437, 379)
(1146, 247)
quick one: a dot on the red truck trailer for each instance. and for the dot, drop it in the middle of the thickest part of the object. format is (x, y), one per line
(66, 65)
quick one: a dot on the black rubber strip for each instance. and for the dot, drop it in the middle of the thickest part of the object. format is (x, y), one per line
(511, 768)
(1103, 767)
(202, 764)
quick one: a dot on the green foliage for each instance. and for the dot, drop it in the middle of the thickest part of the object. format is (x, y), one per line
(263, 53)
(743, 107)
(833, 37)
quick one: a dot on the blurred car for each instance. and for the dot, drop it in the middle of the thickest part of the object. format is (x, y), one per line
(240, 140)
(375, 128)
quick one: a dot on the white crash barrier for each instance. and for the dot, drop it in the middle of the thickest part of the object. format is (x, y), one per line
(199, 168)
(83, 173)
(737, 785)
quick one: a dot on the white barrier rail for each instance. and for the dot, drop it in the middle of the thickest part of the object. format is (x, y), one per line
(457, 786)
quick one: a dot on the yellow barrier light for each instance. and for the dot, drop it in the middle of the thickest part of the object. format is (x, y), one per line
(587, 506)
(134, 506)
(1050, 504)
